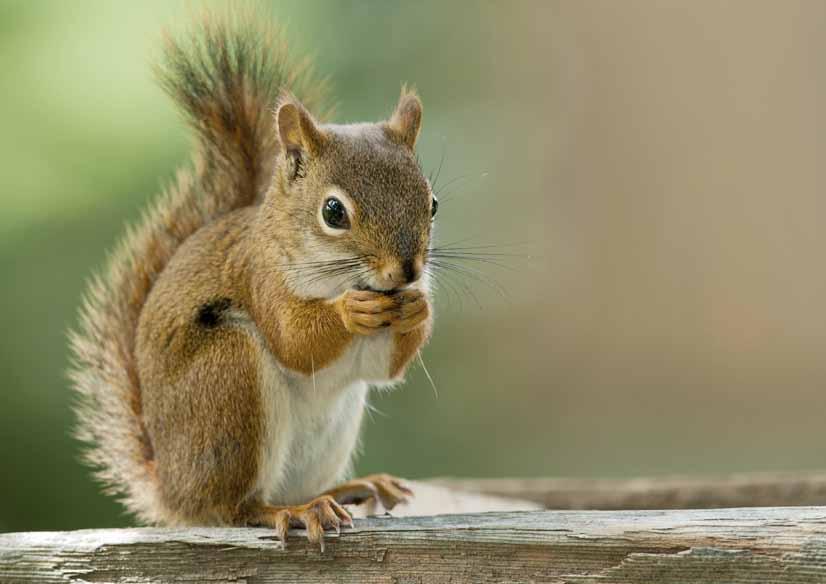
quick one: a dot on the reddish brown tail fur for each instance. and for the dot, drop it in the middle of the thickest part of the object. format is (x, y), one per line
(226, 76)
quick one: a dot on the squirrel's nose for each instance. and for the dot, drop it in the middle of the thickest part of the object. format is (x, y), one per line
(402, 272)
(411, 272)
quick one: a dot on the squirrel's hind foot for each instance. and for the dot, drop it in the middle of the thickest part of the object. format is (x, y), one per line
(383, 488)
(319, 515)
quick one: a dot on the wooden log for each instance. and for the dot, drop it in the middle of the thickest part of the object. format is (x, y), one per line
(736, 490)
(737, 546)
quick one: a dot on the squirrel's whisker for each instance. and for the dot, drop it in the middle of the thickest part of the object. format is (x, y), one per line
(441, 284)
(475, 275)
(452, 280)
(474, 258)
(427, 373)
(434, 181)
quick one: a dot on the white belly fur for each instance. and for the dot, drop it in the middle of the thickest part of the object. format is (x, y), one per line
(312, 422)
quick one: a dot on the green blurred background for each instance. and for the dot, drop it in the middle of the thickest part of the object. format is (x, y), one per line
(660, 162)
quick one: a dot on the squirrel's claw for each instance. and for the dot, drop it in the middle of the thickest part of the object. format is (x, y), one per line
(319, 515)
(414, 310)
(365, 312)
(384, 488)
(281, 524)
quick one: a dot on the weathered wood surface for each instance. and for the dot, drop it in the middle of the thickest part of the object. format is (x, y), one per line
(736, 490)
(765, 545)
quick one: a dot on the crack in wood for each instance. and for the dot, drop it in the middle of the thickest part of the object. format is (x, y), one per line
(737, 546)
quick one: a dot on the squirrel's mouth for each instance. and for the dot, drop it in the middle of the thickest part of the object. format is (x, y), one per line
(364, 287)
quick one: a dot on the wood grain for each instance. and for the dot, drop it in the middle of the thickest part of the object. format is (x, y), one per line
(777, 545)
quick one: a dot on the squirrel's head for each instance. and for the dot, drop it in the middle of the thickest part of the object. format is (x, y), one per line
(349, 206)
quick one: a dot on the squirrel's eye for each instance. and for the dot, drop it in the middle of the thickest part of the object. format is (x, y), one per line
(434, 208)
(334, 214)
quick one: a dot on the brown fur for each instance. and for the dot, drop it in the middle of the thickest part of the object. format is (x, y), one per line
(405, 347)
(169, 354)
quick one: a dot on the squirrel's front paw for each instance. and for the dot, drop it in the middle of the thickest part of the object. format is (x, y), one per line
(365, 312)
(413, 309)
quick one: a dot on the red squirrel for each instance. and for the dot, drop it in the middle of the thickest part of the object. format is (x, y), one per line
(225, 354)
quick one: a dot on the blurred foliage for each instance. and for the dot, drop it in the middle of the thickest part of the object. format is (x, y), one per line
(88, 139)
(658, 162)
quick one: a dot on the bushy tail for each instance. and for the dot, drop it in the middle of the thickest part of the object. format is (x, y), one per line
(226, 76)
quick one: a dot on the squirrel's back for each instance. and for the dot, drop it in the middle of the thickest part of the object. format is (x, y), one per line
(226, 77)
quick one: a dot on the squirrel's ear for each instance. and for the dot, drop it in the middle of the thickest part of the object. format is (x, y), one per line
(298, 132)
(405, 122)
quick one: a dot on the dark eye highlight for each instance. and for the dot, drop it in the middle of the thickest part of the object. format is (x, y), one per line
(335, 214)
(434, 208)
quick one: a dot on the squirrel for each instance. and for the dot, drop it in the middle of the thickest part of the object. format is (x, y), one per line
(223, 357)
